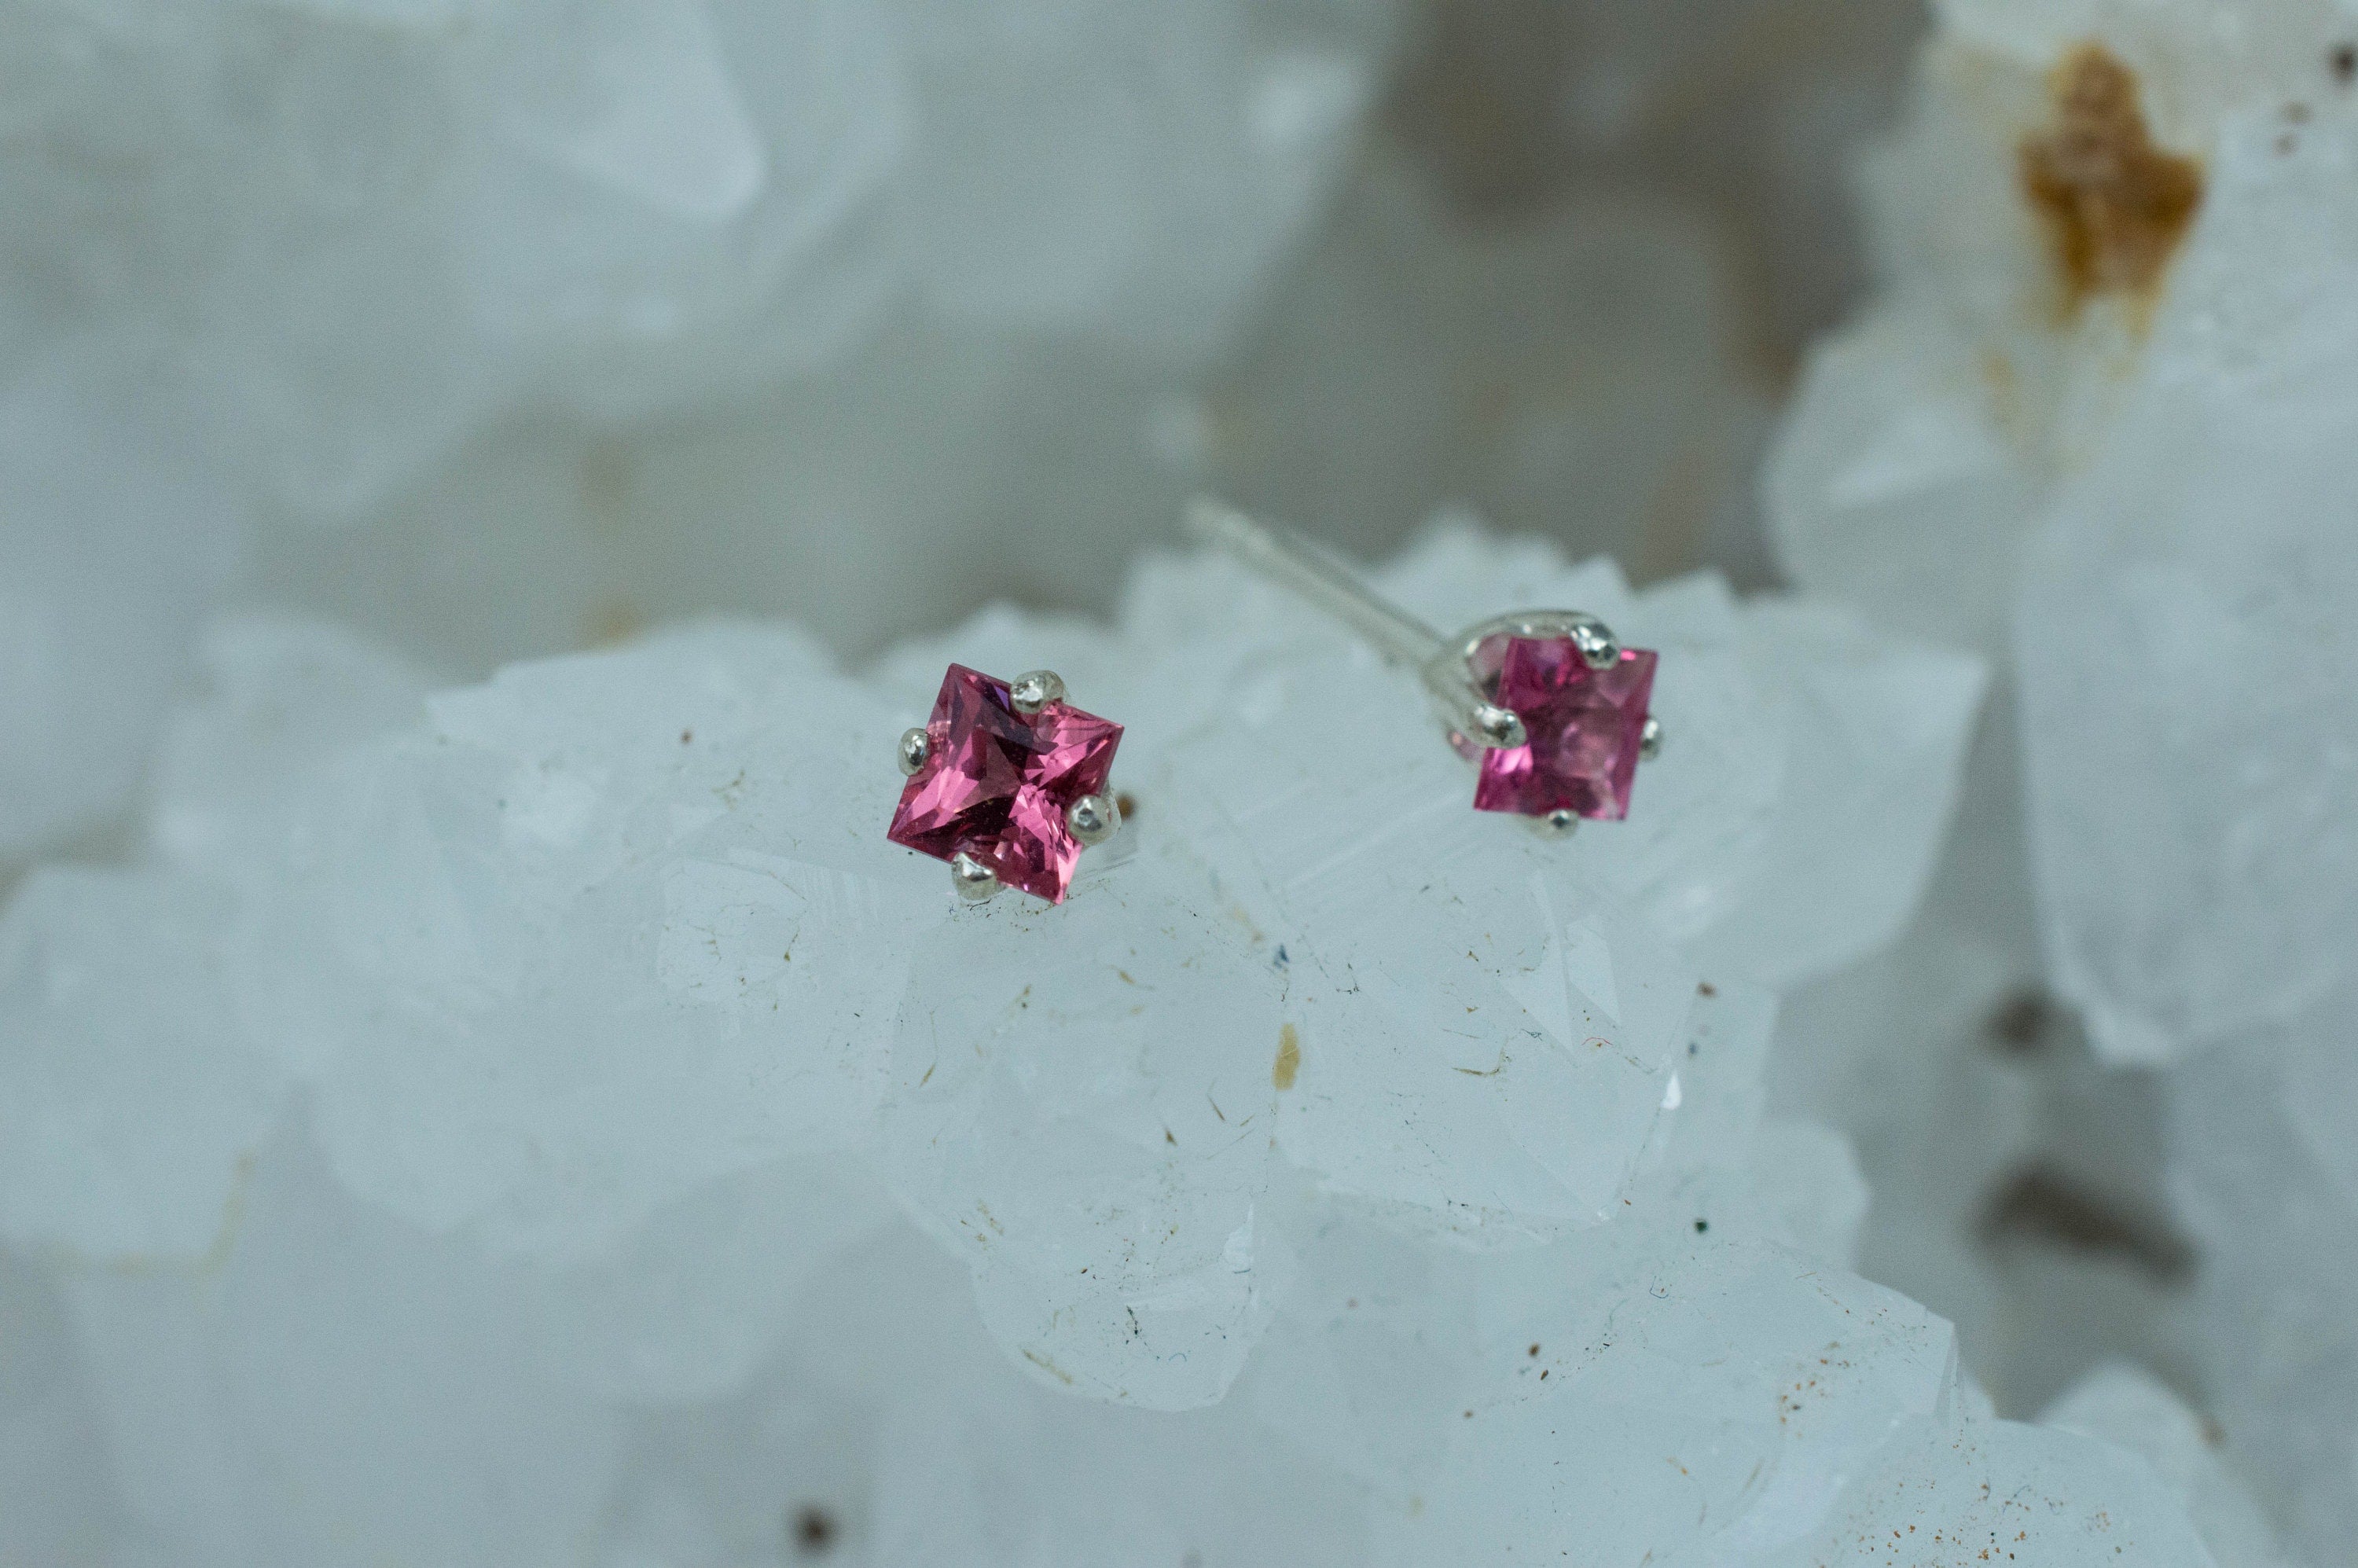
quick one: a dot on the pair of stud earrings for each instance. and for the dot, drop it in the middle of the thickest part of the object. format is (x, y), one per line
(1008, 781)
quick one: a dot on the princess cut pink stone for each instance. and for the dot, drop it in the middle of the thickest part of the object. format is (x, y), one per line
(996, 783)
(1584, 727)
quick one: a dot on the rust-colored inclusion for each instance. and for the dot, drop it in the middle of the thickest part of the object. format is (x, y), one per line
(2116, 206)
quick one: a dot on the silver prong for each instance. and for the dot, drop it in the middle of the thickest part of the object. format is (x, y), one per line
(1561, 823)
(1094, 818)
(1598, 647)
(1649, 739)
(915, 747)
(1497, 728)
(974, 880)
(1035, 689)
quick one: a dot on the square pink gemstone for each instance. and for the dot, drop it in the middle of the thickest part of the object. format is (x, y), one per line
(1584, 727)
(997, 784)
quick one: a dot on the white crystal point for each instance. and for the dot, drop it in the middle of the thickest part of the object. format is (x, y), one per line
(2171, 577)
(1896, 485)
(2119, 489)
(1871, 747)
(287, 695)
(1082, 1108)
(692, 914)
(642, 103)
(2176, 913)
(2124, 1404)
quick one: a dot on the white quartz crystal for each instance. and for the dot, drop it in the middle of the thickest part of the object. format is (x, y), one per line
(541, 1121)
(2122, 435)
(2098, 422)
(1083, 1108)
(374, 228)
(2186, 615)
(2125, 1404)
(687, 918)
(504, 327)
(474, 1128)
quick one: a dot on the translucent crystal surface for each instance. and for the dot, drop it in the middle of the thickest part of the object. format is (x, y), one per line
(2125, 1405)
(448, 211)
(556, 1068)
(1085, 1108)
(2096, 422)
(543, 1120)
(502, 328)
(2105, 435)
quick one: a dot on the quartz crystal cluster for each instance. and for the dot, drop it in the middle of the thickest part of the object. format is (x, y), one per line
(2100, 422)
(382, 224)
(540, 1117)
(391, 310)
(544, 1121)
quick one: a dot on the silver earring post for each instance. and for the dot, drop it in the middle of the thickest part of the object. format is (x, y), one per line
(1306, 568)
(1553, 792)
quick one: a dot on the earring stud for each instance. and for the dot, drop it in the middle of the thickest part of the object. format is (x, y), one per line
(1007, 782)
(1548, 702)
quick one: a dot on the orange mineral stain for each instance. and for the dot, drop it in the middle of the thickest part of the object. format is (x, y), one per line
(1289, 1056)
(2114, 205)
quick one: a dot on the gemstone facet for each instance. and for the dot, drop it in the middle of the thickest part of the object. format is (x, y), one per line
(1585, 727)
(996, 783)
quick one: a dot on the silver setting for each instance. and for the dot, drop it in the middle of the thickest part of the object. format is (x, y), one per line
(1595, 640)
(1445, 665)
(1035, 689)
(974, 880)
(1649, 739)
(1094, 818)
(1561, 823)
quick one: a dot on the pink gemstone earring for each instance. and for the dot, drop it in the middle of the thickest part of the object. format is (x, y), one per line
(1547, 701)
(1007, 782)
